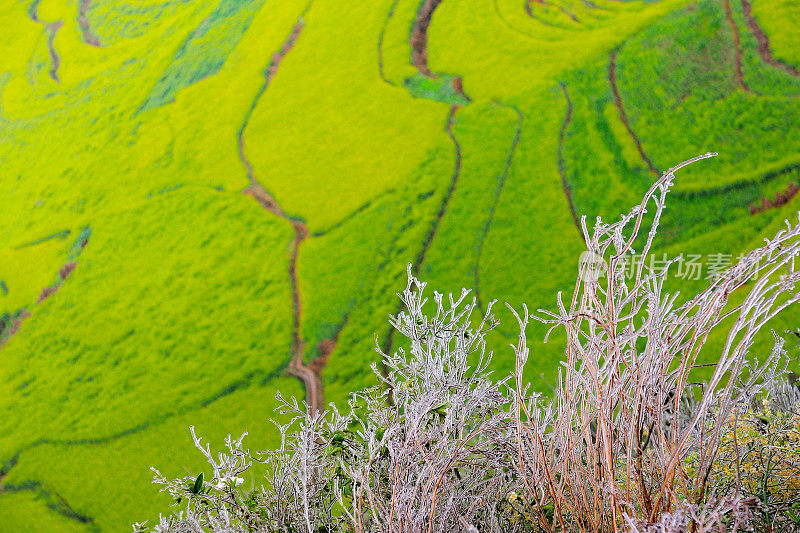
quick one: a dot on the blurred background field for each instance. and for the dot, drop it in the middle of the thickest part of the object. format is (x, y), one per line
(142, 292)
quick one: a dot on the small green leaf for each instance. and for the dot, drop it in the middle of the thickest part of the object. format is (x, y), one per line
(548, 510)
(198, 484)
(338, 438)
(442, 409)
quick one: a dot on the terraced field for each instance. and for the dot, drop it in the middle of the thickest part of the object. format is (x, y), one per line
(205, 202)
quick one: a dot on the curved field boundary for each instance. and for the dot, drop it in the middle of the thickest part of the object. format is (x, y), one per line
(781, 198)
(540, 20)
(63, 274)
(55, 502)
(570, 14)
(528, 8)
(6, 467)
(612, 80)
(508, 25)
(763, 41)
(498, 191)
(83, 22)
(380, 43)
(561, 166)
(61, 235)
(60, 505)
(418, 40)
(419, 45)
(738, 74)
(766, 177)
(419, 57)
(13, 327)
(356, 212)
(309, 375)
(55, 60)
(450, 190)
(426, 243)
(51, 28)
(419, 36)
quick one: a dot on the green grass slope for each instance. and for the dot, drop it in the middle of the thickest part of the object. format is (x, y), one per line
(146, 293)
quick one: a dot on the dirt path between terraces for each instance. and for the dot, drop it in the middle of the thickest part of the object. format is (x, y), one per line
(46, 292)
(380, 43)
(64, 509)
(561, 166)
(612, 79)
(7, 468)
(54, 59)
(88, 37)
(426, 244)
(501, 182)
(419, 45)
(451, 118)
(763, 41)
(310, 375)
(419, 57)
(529, 9)
(738, 75)
(51, 28)
(419, 36)
(5, 336)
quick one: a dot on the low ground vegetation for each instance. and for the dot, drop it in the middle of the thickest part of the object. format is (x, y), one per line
(637, 435)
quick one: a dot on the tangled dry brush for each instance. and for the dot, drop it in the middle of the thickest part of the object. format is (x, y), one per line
(629, 440)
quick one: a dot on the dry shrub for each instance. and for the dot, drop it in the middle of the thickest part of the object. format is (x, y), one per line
(628, 441)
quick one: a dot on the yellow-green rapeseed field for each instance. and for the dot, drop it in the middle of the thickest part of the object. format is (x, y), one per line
(141, 291)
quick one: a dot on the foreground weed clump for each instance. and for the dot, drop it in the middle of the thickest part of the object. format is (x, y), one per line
(629, 441)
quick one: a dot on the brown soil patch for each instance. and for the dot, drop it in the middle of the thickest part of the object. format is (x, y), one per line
(54, 59)
(15, 325)
(419, 44)
(325, 349)
(66, 270)
(47, 292)
(88, 37)
(763, 41)
(419, 36)
(782, 198)
(260, 194)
